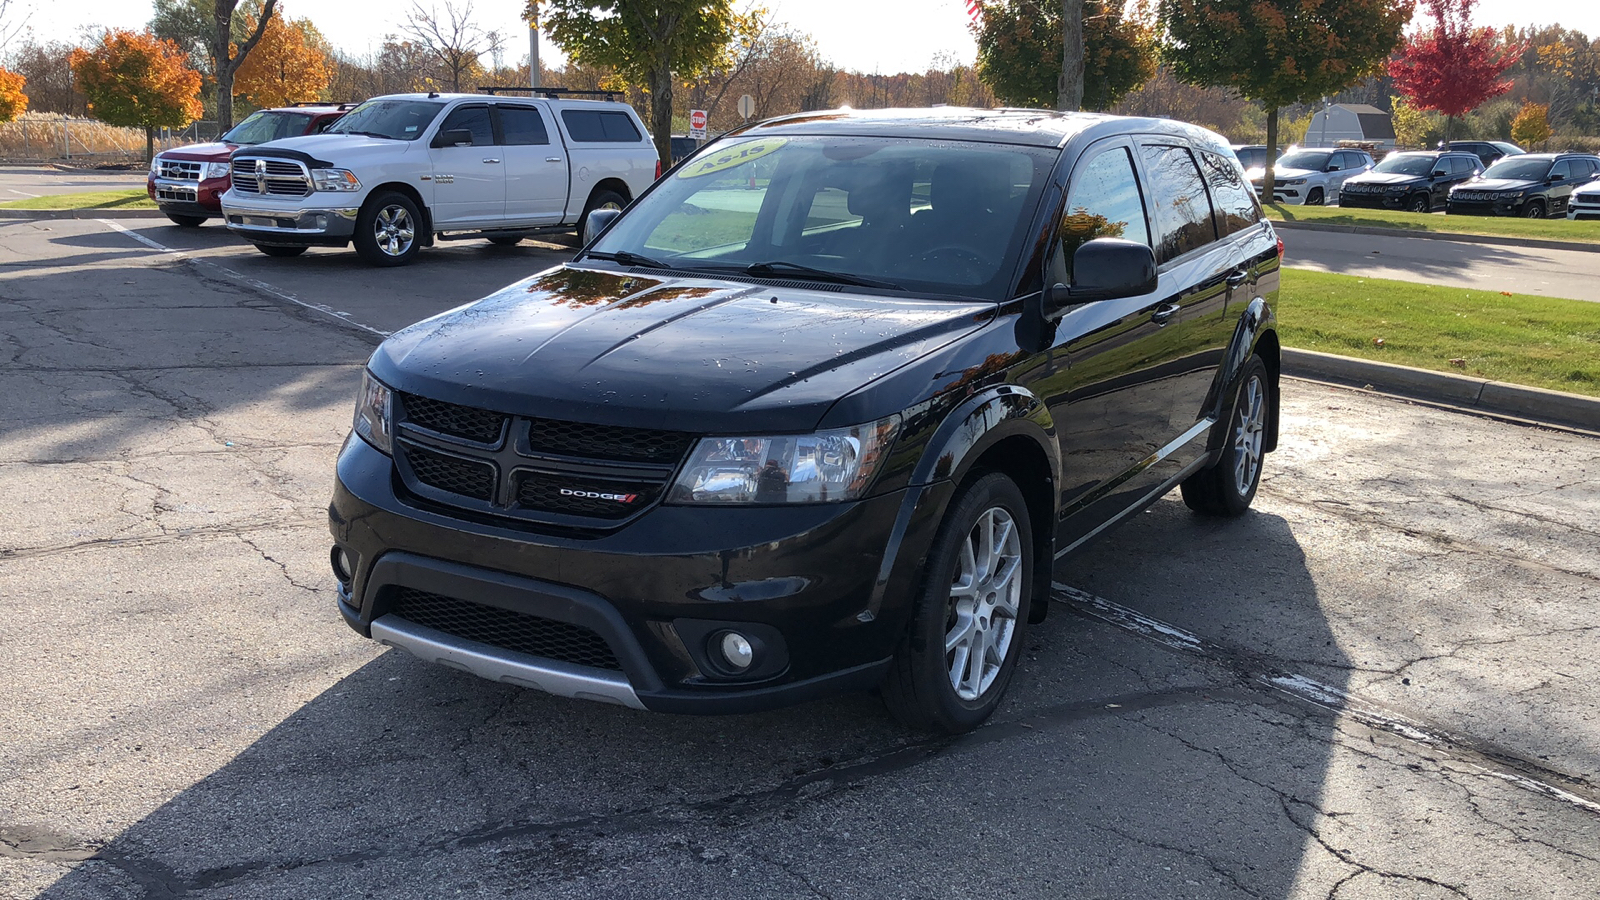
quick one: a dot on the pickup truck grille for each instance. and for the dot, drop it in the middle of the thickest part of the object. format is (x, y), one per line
(540, 470)
(271, 177)
(180, 169)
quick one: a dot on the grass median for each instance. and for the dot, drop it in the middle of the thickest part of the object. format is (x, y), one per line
(129, 199)
(1587, 231)
(1538, 341)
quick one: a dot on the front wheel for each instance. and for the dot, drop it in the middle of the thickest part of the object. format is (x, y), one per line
(961, 649)
(186, 221)
(1421, 203)
(1534, 210)
(273, 250)
(1315, 197)
(1227, 487)
(387, 230)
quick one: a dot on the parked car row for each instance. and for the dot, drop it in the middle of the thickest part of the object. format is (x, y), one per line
(400, 172)
(1311, 176)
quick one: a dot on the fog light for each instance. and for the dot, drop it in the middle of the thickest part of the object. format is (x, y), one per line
(343, 566)
(736, 651)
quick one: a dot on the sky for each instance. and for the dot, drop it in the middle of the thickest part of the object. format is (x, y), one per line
(884, 36)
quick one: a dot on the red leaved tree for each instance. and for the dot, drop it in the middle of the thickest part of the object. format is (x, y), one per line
(1452, 67)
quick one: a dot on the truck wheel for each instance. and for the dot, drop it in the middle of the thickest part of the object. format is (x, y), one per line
(276, 250)
(1227, 487)
(601, 199)
(966, 634)
(386, 230)
(186, 221)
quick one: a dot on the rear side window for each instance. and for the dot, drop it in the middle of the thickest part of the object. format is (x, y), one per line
(1104, 202)
(1463, 166)
(1178, 196)
(600, 126)
(1235, 204)
(474, 119)
(1562, 170)
(522, 125)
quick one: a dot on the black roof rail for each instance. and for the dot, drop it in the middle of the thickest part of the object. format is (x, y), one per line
(553, 93)
(300, 103)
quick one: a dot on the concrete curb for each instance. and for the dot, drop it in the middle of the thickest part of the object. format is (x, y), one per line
(1495, 397)
(82, 214)
(1531, 243)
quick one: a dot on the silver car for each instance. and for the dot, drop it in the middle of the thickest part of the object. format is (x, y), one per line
(1311, 177)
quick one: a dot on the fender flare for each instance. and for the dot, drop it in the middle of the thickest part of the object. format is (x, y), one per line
(980, 422)
(1256, 321)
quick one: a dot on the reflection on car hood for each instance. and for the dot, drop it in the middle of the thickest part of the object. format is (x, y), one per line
(215, 151)
(338, 148)
(1500, 184)
(1384, 178)
(660, 351)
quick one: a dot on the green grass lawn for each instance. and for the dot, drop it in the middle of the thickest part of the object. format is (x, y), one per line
(1538, 341)
(129, 199)
(1550, 229)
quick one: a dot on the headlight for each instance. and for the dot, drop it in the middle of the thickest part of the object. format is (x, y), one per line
(216, 169)
(335, 180)
(822, 467)
(1293, 181)
(155, 164)
(375, 413)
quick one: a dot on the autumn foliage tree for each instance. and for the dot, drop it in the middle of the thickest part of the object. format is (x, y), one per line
(1019, 41)
(136, 79)
(13, 102)
(1531, 127)
(227, 55)
(1280, 52)
(285, 67)
(1452, 67)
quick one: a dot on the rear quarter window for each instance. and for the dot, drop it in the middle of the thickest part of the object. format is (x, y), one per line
(600, 126)
(1183, 217)
(1234, 202)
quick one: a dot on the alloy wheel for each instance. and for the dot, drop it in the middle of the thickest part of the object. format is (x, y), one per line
(1248, 435)
(394, 230)
(985, 596)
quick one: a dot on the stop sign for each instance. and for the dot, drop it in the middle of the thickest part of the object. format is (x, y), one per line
(697, 123)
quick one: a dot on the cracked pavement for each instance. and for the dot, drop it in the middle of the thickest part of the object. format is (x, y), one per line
(185, 715)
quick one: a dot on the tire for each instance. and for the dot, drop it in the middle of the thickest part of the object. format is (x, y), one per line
(1534, 210)
(1315, 197)
(601, 199)
(1421, 203)
(387, 230)
(506, 240)
(186, 221)
(273, 250)
(920, 689)
(1227, 487)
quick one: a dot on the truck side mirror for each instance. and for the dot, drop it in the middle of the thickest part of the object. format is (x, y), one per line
(455, 137)
(1105, 269)
(597, 222)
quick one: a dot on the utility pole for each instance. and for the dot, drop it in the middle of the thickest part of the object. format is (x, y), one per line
(533, 53)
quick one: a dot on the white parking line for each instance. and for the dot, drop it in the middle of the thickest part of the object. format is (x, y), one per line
(256, 283)
(23, 193)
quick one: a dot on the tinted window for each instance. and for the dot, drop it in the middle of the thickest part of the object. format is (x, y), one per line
(1315, 160)
(1583, 168)
(1178, 196)
(1406, 164)
(402, 120)
(1562, 170)
(474, 119)
(1519, 168)
(522, 125)
(1234, 201)
(600, 126)
(1104, 202)
(267, 126)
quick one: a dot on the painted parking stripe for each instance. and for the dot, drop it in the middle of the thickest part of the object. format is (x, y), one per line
(256, 283)
(23, 193)
(1260, 671)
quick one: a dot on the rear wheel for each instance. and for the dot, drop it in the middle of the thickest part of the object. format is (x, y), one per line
(1227, 487)
(387, 230)
(959, 654)
(1534, 210)
(601, 199)
(272, 250)
(506, 240)
(1315, 197)
(1421, 203)
(186, 221)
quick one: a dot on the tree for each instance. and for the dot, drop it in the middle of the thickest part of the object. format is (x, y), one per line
(1452, 67)
(1530, 128)
(49, 76)
(454, 44)
(1069, 87)
(11, 23)
(647, 42)
(1017, 38)
(1411, 125)
(13, 102)
(227, 57)
(138, 80)
(285, 67)
(1280, 52)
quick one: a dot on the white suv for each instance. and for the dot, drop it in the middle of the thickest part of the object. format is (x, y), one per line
(1311, 176)
(400, 171)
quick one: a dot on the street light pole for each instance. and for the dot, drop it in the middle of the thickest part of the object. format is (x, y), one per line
(533, 54)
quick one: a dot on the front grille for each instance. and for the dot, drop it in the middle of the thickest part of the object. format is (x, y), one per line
(606, 441)
(277, 178)
(601, 498)
(451, 474)
(508, 630)
(479, 425)
(181, 169)
(179, 195)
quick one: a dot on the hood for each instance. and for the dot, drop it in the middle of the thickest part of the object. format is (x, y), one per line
(1500, 184)
(1385, 178)
(652, 351)
(216, 151)
(337, 149)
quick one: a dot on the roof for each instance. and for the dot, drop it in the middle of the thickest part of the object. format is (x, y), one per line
(1361, 108)
(1030, 127)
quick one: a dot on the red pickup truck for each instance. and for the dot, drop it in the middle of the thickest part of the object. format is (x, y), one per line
(188, 183)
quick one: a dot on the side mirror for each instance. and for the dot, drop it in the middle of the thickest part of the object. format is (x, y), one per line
(1439, 173)
(1556, 178)
(597, 222)
(1331, 169)
(454, 137)
(1105, 269)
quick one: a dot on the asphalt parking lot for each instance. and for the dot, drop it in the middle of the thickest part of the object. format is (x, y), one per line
(1378, 684)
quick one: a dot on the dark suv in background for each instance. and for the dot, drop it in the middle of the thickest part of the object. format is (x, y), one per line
(755, 445)
(1417, 181)
(1533, 185)
(1487, 152)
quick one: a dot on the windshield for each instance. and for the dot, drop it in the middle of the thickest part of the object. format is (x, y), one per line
(1304, 159)
(942, 217)
(1519, 169)
(1406, 165)
(402, 120)
(267, 126)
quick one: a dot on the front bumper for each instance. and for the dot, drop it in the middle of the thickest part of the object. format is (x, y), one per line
(1373, 201)
(188, 198)
(1456, 207)
(1289, 195)
(262, 223)
(825, 590)
(1579, 209)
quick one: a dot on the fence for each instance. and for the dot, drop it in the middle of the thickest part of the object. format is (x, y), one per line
(52, 137)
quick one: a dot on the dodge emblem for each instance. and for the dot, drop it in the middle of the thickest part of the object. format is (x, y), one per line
(261, 176)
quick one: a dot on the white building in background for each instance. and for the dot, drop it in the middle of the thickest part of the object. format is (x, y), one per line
(1350, 122)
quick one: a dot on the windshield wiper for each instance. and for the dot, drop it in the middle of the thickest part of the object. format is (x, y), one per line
(628, 258)
(780, 267)
(365, 134)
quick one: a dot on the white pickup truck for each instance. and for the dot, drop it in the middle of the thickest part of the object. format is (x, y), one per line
(401, 171)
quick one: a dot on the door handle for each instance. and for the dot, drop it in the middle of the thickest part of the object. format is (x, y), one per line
(1237, 278)
(1163, 313)
(491, 159)
(552, 159)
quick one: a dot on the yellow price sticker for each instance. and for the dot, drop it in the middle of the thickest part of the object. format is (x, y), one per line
(729, 157)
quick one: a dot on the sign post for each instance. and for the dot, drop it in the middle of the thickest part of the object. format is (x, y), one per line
(747, 107)
(697, 123)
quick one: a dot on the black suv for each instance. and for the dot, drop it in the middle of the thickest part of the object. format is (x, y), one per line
(753, 446)
(1487, 152)
(1533, 185)
(1418, 181)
